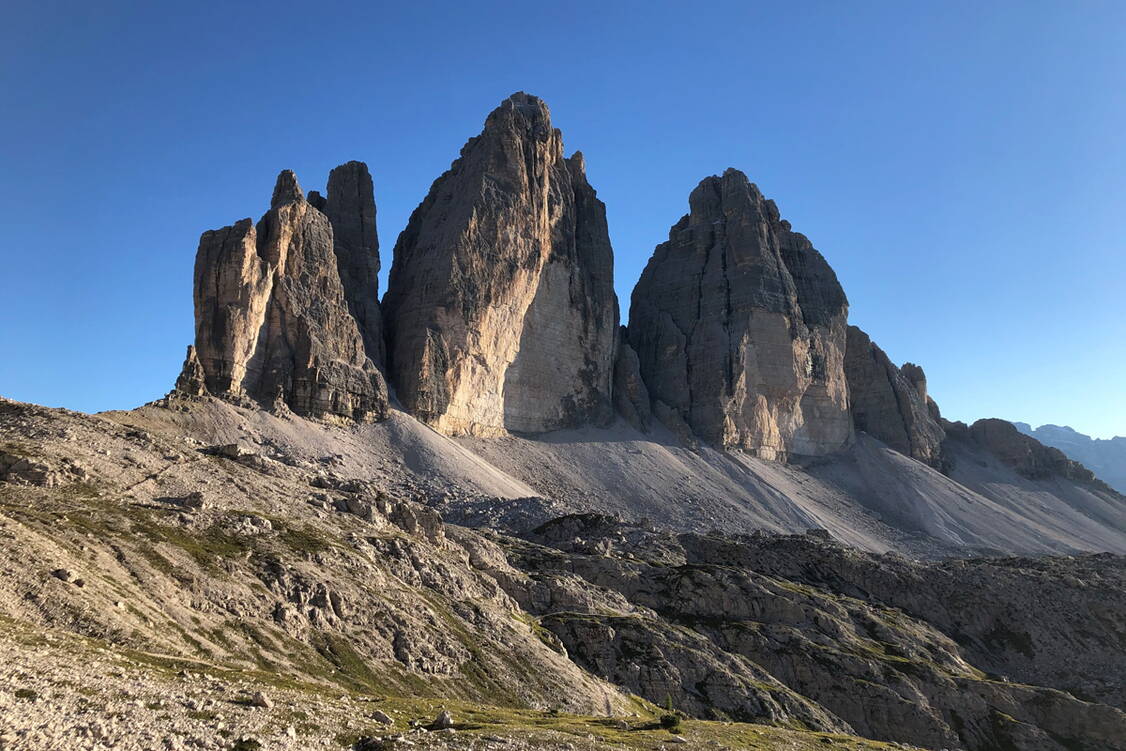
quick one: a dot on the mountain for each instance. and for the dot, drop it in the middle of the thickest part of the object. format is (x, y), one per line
(501, 310)
(482, 514)
(273, 321)
(739, 328)
(1106, 457)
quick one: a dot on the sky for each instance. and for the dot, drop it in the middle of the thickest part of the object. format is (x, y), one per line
(962, 165)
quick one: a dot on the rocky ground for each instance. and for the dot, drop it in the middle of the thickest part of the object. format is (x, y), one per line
(159, 569)
(60, 688)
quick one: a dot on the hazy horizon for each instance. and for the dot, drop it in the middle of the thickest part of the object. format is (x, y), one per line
(960, 167)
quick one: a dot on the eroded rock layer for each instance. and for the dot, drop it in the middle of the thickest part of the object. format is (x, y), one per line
(272, 322)
(739, 328)
(889, 403)
(501, 311)
(1023, 453)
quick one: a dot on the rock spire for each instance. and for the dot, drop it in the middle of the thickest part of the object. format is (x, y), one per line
(739, 328)
(272, 320)
(501, 312)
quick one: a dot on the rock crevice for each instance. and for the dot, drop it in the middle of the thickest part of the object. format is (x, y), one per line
(272, 321)
(501, 311)
(739, 326)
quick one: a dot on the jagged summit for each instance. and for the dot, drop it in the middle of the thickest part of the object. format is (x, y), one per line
(891, 403)
(350, 208)
(286, 189)
(739, 328)
(272, 323)
(501, 311)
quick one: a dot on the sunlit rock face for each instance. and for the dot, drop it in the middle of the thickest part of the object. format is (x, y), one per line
(739, 328)
(272, 321)
(501, 312)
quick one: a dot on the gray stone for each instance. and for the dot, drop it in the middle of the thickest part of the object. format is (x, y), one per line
(739, 328)
(891, 404)
(272, 323)
(501, 312)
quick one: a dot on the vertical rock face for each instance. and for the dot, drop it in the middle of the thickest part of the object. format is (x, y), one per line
(272, 322)
(889, 403)
(739, 328)
(350, 208)
(1023, 453)
(631, 397)
(501, 313)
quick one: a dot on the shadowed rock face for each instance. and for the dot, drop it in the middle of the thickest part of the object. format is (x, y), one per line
(501, 312)
(739, 328)
(272, 322)
(891, 404)
(631, 397)
(350, 208)
(1023, 453)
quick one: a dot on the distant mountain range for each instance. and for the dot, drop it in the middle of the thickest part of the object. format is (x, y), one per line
(1105, 457)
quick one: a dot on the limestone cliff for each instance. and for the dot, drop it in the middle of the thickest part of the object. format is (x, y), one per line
(350, 208)
(889, 403)
(272, 322)
(501, 312)
(739, 328)
(1023, 453)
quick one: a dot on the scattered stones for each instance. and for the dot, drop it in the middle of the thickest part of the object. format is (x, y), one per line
(194, 501)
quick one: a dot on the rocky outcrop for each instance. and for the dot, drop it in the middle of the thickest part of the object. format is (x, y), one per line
(1105, 457)
(1023, 453)
(350, 208)
(272, 323)
(891, 648)
(739, 328)
(501, 311)
(631, 397)
(889, 403)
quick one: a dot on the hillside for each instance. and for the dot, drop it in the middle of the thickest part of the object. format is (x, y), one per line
(1106, 457)
(276, 568)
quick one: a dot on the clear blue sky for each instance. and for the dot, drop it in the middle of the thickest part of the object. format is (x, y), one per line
(961, 164)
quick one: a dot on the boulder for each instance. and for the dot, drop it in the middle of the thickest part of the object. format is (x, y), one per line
(22, 470)
(739, 328)
(501, 313)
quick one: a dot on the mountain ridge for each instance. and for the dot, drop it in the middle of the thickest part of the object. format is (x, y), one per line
(732, 517)
(1106, 457)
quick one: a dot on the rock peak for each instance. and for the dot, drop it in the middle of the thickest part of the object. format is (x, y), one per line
(739, 328)
(286, 189)
(350, 208)
(891, 403)
(501, 313)
(577, 162)
(522, 111)
(272, 322)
